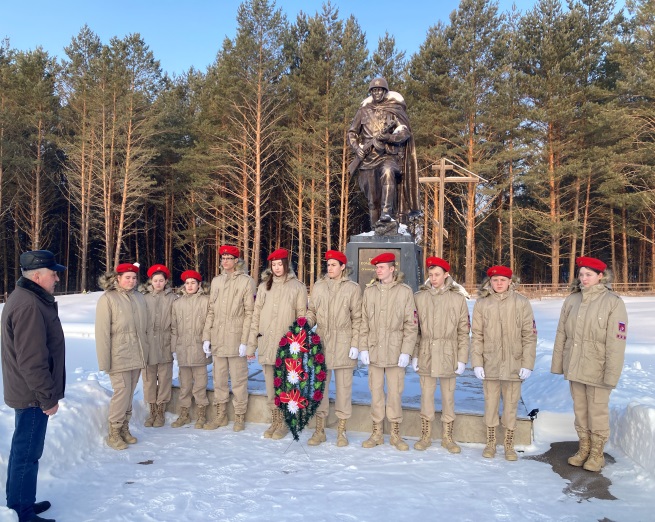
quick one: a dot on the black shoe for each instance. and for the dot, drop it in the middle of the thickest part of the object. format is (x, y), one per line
(40, 507)
(37, 518)
(385, 218)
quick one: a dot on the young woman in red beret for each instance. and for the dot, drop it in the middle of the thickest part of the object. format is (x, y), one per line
(158, 373)
(281, 299)
(335, 307)
(187, 323)
(122, 345)
(589, 350)
(503, 350)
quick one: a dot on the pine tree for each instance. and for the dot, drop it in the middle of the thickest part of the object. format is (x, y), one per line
(547, 61)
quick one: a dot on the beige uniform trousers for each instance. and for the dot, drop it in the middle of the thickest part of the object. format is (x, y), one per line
(157, 383)
(193, 381)
(269, 377)
(237, 370)
(123, 384)
(511, 393)
(395, 386)
(591, 408)
(428, 387)
(343, 377)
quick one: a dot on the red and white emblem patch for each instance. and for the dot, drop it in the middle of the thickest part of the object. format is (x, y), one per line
(622, 333)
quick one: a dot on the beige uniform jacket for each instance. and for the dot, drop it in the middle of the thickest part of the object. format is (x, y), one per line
(335, 306)
(503, 335)
(160, 309)
(443, 338)
(389, 322)
(275, 310)
(189, 314)
(591, 336)
(231, 303)
(121, 330)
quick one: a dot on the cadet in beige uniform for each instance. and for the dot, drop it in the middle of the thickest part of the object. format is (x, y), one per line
(442, 349)
(281, 299)
(227, 327)
(122, 346)
(158, 373)
(503, 350)
(589, 350)
(189, 314)
(335, 307)
(387, 339)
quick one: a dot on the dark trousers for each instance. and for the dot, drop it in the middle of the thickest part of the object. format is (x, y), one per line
(26, 450)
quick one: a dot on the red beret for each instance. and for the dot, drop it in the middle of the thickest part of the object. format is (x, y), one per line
(159, 268)
(384, 257)
(591, 262)
(229, 250)
(335, 254)
(190, 273)
(498, 270)
(127, 267)
(437, 261)
(280, 253)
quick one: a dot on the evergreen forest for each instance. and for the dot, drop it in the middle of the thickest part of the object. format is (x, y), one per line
(106, 158)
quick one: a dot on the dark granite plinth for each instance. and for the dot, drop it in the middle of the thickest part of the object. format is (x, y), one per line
(364, 247)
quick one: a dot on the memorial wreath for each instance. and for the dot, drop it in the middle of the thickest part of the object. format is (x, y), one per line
(300, 375)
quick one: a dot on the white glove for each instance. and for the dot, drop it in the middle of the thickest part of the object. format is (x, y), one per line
(460, 368)
(242, 350)
(403, 360)
(207, 348)
(415, 364)
(524, 373)
(174, 356)
(479, 372)
(354, 352)
(363, 356)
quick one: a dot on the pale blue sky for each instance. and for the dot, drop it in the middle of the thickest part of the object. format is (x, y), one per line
(189, 33)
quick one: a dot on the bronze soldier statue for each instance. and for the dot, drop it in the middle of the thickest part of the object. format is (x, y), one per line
(383, 145)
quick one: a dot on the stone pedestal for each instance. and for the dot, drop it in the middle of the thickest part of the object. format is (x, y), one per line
(364, 247)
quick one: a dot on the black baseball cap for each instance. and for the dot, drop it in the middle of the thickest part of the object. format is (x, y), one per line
(35, 259)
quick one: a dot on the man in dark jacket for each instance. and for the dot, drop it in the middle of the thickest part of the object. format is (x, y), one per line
(33, 373)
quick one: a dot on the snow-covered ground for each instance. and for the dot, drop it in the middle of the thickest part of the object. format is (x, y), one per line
(189, 475)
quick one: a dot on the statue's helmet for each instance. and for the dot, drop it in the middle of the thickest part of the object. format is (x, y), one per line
(378, 82)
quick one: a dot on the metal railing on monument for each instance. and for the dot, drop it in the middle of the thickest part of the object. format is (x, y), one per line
(546, 290)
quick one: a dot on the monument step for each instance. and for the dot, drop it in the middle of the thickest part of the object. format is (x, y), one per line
(468, 427)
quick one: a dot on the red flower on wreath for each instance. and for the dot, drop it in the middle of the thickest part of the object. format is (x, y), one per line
(297, 342)
(295, 371)
(277, 382)
(320, 358)
(277, 401)
(320, 376)
(284, 341)
(316, 339)
(294, 400)
(302, 321)
(318, 395)
(278, 362)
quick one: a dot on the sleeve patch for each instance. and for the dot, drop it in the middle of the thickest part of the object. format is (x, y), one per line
(622, 332)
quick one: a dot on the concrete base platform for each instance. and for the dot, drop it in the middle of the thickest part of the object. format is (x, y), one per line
(468, 427)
